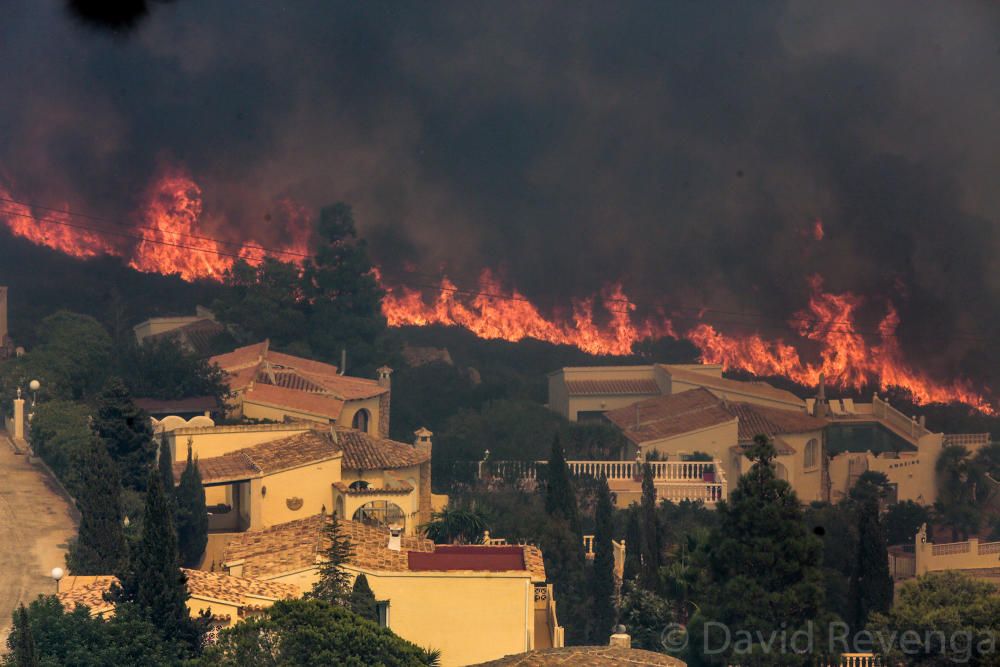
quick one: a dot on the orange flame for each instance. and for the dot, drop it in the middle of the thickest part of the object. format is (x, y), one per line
(493, 312)
(172, 241)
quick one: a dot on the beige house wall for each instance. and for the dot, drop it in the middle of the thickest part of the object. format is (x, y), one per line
(372, 405)
(219, 440)
(470, 617)
(913, 473)
(969, 555)
(714, 440)
(570, 406)
(807, 482)
(273, 494)
(347, 504)
(252, 409)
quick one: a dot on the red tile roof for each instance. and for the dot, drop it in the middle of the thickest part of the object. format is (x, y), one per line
(668, 416)
(320, 405)
(611, 387)
(449, 557)
(759, 420)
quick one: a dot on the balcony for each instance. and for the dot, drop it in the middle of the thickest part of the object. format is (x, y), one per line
(676, 481)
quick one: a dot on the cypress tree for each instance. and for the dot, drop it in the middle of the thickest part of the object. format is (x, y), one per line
(762, 573)
(126, 432)
(100, 546)
(21, 642)
(649, 533)
(154, 581)
(334, 584)
(604, 563)
(192, 515)
(871, 588)
(165, 464)
(362, 600)
(560, 498)
(633, 542)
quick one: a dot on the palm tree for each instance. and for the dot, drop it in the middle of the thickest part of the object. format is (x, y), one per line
(457, 525)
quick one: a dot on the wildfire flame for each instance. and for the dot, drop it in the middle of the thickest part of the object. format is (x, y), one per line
(169, 238)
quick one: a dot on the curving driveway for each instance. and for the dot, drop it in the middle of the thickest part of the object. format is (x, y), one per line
(35, 525)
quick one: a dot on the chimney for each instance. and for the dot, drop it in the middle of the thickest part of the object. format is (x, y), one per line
(384, 375)
(395, 538)
(343, 360)
(620, 639)
(423, 439)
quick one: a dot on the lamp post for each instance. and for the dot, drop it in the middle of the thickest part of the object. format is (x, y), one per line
(57, 574)
(34, 386)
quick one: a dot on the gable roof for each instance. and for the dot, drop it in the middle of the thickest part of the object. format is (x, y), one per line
(760, 420)
(296, 545)
(360, 451)
(727, 386)
(366, 452)
(240, 591)
(321, 405)
(667, 416)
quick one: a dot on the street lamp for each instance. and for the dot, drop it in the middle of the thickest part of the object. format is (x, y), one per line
(34, 386)
(57, 574)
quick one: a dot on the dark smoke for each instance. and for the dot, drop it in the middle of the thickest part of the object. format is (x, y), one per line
(685, 148)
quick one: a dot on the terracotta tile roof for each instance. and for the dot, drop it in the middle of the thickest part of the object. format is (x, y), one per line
(611, 387)
(586, 656)
(241, 357)
(239, 591)
(266, 458)
(87, 591)
(727, 386)
(759, 420)
(366, 452)
(296, 545)
(320, 405)
(667, 416)
(780, 447)
(229, 467)
(402, 488)
(299, 363)
(351, 388)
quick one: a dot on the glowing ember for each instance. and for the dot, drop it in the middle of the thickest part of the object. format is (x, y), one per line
(818, 232)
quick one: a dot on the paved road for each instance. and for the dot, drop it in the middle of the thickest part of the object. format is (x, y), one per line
(35, 524)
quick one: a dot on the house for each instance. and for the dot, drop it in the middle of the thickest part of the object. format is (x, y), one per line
(473, 603)
(259, 475)
(195, 333)
(228, 599)
(266, 385)
(586, 393)
(679, 425)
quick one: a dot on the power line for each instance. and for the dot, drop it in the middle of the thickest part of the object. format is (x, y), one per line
(781, 324)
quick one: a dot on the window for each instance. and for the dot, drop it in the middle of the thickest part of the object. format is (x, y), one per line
(380, 513)
(382, 606)
(359, 485)
(361, 419)
(812, 453)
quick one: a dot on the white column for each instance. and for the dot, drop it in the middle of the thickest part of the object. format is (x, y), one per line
(19, 419)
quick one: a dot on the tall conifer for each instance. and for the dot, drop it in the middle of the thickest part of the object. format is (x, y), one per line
(100, 546)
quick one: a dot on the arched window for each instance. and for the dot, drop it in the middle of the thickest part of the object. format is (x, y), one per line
(780, 471)
(359, 485)
(812, 453)
(380, 513)
(361, 419)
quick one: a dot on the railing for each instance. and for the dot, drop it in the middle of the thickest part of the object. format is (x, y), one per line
(989, 548)
(896, 419)
(950, 548)
(859, 660)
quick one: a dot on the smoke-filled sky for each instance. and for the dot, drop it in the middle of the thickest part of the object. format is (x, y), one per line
(685, 148)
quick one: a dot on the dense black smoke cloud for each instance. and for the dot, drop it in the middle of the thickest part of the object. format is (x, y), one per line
(684, 148)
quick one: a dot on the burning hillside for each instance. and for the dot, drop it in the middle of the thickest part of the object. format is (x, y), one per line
(169, 237)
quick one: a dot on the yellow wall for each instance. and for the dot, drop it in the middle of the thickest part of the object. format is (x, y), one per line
(470, 617)
(409, 503)
(807, 482)
(913, 473)
(570, 406)
(715, 440)
(254, 410)
(221, 440)
(312, 483)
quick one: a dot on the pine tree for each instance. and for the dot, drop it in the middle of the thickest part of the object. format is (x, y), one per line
(871, 586)
(604, 563)
(761, 572)
(192, 515)
(21, 643)
(153, 581)
(649, 533)
(565, 564)
(126, 432)
(334, 584)
(100, 546)
(560, 497)
(165, 464)
(362, 600)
